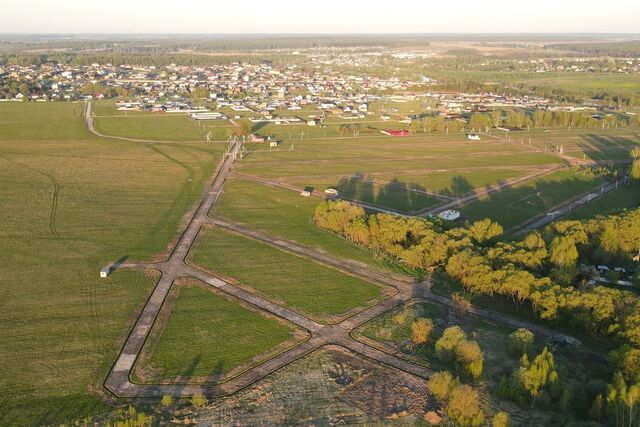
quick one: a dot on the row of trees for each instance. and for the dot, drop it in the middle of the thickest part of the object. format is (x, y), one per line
(547, 119)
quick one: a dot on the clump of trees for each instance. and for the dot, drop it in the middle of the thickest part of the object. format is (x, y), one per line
(535, 381)
(462, 402)
(539, 272)
(454, 348)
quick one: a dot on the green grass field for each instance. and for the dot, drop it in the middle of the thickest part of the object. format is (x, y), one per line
(593, 144)
(158, 127)
(517, 204)
(298, 283)
(394, 194)
(386, 156)
(208, 335)
(71, 203)
(627, 197)
(285, 214)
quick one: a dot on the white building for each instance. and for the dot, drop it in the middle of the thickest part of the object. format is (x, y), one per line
(449, 215)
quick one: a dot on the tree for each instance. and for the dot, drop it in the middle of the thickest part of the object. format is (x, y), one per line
(470, 358)
(464, 407)
(538, 374)
(421, 330)
(448, 342)
(453, 346)
(597, 408)
(441, 384)
(484, 231)
(623, 401)
(501, 419)
(198, 400)
(634, 170)
(166, 401)
(520, 341)
(564, 253)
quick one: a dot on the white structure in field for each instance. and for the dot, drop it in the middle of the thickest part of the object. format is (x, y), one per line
(106, 271)
(449, 215)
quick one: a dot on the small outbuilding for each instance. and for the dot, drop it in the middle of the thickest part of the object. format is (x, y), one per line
(449, 215)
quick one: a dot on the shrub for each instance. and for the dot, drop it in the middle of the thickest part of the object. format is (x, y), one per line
(521, 341)
(421, 330)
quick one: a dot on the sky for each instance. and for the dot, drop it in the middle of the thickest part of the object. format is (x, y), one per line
(326, 16)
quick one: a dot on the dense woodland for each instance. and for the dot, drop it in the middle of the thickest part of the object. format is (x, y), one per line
(544, 272)
(623, 49)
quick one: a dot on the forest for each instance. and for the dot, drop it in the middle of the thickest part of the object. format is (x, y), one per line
(547, 272)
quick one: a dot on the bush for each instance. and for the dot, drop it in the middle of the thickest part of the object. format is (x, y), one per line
(501, 419)
(521, 341)
(464, 407)
(441, 384)
(421, 330)
(166, 401)
(198, 400)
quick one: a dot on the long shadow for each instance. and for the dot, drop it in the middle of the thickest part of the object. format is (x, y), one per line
(460, 186)
(119, 262)
(394, 195)
(515, 205)
(602, 147)
(187, 373)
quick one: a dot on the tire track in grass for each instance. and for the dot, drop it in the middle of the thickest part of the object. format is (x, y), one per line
(54, 204)
(88, 290)
(183, 194)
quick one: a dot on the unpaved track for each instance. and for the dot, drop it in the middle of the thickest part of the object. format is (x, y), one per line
(119, 380)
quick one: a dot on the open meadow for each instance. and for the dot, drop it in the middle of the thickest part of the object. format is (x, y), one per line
(204, 335)
(71, 204)
(517, 204)
(318, 291)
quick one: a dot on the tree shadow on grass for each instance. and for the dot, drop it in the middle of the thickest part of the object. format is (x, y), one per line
(515, 205)
(401, 196)
(602, 147)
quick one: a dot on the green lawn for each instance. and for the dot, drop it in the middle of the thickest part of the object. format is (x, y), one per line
(41, 121)
(627, 197)
(396, 194)
(517, 204)
(209, 335)
(386, 156)
(283, 213)
(157, 127)
(395, 190)
(70, 204)
(299, 283)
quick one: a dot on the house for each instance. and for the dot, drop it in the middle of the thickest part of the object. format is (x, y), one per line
(449, 215)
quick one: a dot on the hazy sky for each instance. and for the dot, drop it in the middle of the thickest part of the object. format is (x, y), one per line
(326, 16)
